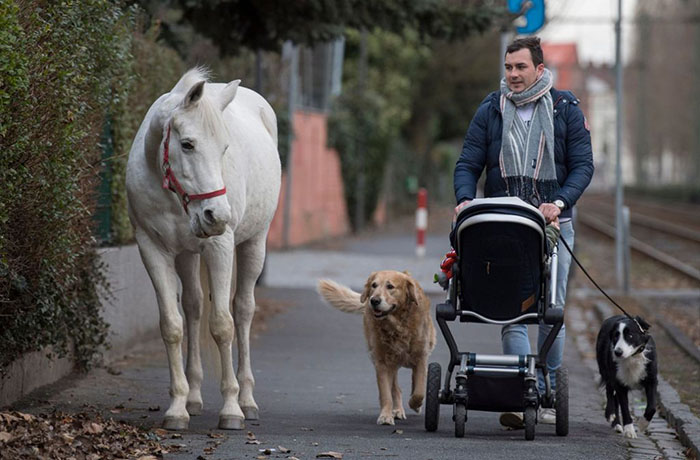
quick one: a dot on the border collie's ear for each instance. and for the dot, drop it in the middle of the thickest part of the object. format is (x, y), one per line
(643, 324)
(368, 287)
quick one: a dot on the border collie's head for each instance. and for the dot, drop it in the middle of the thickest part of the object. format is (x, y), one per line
(629, 337)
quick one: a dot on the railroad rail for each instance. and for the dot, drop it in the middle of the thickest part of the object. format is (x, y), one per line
(674, 241)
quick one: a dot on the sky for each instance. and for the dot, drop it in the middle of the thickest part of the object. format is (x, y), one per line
(589, 23)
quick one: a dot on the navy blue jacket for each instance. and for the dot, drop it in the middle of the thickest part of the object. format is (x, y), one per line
(482, 147)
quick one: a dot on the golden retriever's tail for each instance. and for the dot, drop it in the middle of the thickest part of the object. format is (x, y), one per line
(339, 296)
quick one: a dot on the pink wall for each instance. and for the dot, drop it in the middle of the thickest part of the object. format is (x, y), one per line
(318, 208)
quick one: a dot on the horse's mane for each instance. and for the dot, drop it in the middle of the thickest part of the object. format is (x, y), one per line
(191, 77)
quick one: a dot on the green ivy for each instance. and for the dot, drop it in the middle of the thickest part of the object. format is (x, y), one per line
(63, 67)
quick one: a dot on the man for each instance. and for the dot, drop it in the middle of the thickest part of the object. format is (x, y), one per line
(535, 144)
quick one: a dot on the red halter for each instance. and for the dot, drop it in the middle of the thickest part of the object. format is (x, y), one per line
(171, 183)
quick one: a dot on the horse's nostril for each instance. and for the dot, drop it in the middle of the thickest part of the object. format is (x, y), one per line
(209, 216)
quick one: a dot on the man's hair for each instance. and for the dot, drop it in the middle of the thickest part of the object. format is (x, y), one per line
(531, 43)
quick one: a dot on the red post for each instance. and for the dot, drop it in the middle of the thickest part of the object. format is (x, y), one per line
(421, 221)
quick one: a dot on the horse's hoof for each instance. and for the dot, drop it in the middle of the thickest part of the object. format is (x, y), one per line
(229, 422)
(251, 413)
(194, 408)
(176, 423)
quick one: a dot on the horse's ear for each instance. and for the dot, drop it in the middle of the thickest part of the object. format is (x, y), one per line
(229, 93)
(194, 94)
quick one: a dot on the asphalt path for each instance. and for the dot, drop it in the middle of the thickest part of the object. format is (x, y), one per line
(316, 387)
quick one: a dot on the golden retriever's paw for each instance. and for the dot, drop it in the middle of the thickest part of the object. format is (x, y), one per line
(385, 419)
(416, 403)
(399, 413)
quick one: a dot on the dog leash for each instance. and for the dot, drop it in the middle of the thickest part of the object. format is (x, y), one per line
(585, 272)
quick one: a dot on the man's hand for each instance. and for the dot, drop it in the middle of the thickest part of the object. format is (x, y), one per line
(550, 211)
(459, 208)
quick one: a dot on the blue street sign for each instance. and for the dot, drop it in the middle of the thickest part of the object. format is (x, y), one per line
(534, 16)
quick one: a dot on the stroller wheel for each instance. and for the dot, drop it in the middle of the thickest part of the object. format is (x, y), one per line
(432, 400)
(530, 420)
(460, 419)
(561, 403)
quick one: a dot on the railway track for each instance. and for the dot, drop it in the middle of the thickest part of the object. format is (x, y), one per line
(670, 236)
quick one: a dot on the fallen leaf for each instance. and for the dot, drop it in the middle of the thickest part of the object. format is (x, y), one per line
(94, 428)
(303, 428)
(382, 448)
(250, 435)
(284, 450)
(252, 441)
(267, 451)
(397, 432)
(5, 436)
(26, 417)
(216, 435)
(176, 436)
(329, 454)
(153, 408)
(314, 444)
(292, 458)
(161, 432)
(147, 457)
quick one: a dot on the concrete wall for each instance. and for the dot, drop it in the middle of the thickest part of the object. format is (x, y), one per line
(131, 312)
(318, 208)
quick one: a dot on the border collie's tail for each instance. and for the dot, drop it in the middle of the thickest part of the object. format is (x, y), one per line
(340, 297)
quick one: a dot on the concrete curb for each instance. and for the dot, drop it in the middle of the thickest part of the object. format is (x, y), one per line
(678, 415)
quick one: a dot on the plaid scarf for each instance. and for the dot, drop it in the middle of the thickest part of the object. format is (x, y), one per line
(527, 152)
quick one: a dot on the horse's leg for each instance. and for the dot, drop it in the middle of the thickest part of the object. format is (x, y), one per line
(250, 257)
(161, 269)
(187, 266)
(219, 259)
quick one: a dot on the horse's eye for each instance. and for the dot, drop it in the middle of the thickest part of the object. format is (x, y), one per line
(374, 285)
(390, 286)
(187, 145)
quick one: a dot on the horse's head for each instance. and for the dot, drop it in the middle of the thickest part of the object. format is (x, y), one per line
(196, 143)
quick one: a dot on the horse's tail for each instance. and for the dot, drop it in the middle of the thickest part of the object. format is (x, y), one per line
(269, 121)
(340, 297)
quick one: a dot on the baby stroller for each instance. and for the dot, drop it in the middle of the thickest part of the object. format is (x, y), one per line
(504, 273)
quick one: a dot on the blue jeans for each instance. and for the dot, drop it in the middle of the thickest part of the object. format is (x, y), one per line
(514, 337)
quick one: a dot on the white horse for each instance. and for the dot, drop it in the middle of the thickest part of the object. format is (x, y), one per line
(203, 178)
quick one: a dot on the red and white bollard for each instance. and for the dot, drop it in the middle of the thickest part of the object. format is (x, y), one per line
(421, 221)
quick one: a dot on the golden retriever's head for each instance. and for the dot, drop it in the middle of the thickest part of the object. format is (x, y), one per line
(388, 291)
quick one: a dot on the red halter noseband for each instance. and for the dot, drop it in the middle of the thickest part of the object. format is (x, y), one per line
(172, 184)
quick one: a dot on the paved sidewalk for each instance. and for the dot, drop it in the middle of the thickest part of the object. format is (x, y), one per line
(316, 386)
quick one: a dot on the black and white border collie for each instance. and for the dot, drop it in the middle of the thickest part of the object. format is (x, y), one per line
(626, 356)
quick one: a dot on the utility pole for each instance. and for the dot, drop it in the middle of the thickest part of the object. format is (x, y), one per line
(293, 53)
(641, 154)
(360, 141)
(622, 270)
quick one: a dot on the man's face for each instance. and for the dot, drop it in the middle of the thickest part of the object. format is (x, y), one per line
(521, 73)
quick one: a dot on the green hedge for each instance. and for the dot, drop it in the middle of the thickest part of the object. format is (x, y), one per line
(154, 70)
(62, 70)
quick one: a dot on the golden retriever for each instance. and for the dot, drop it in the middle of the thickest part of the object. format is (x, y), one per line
(399, 333)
